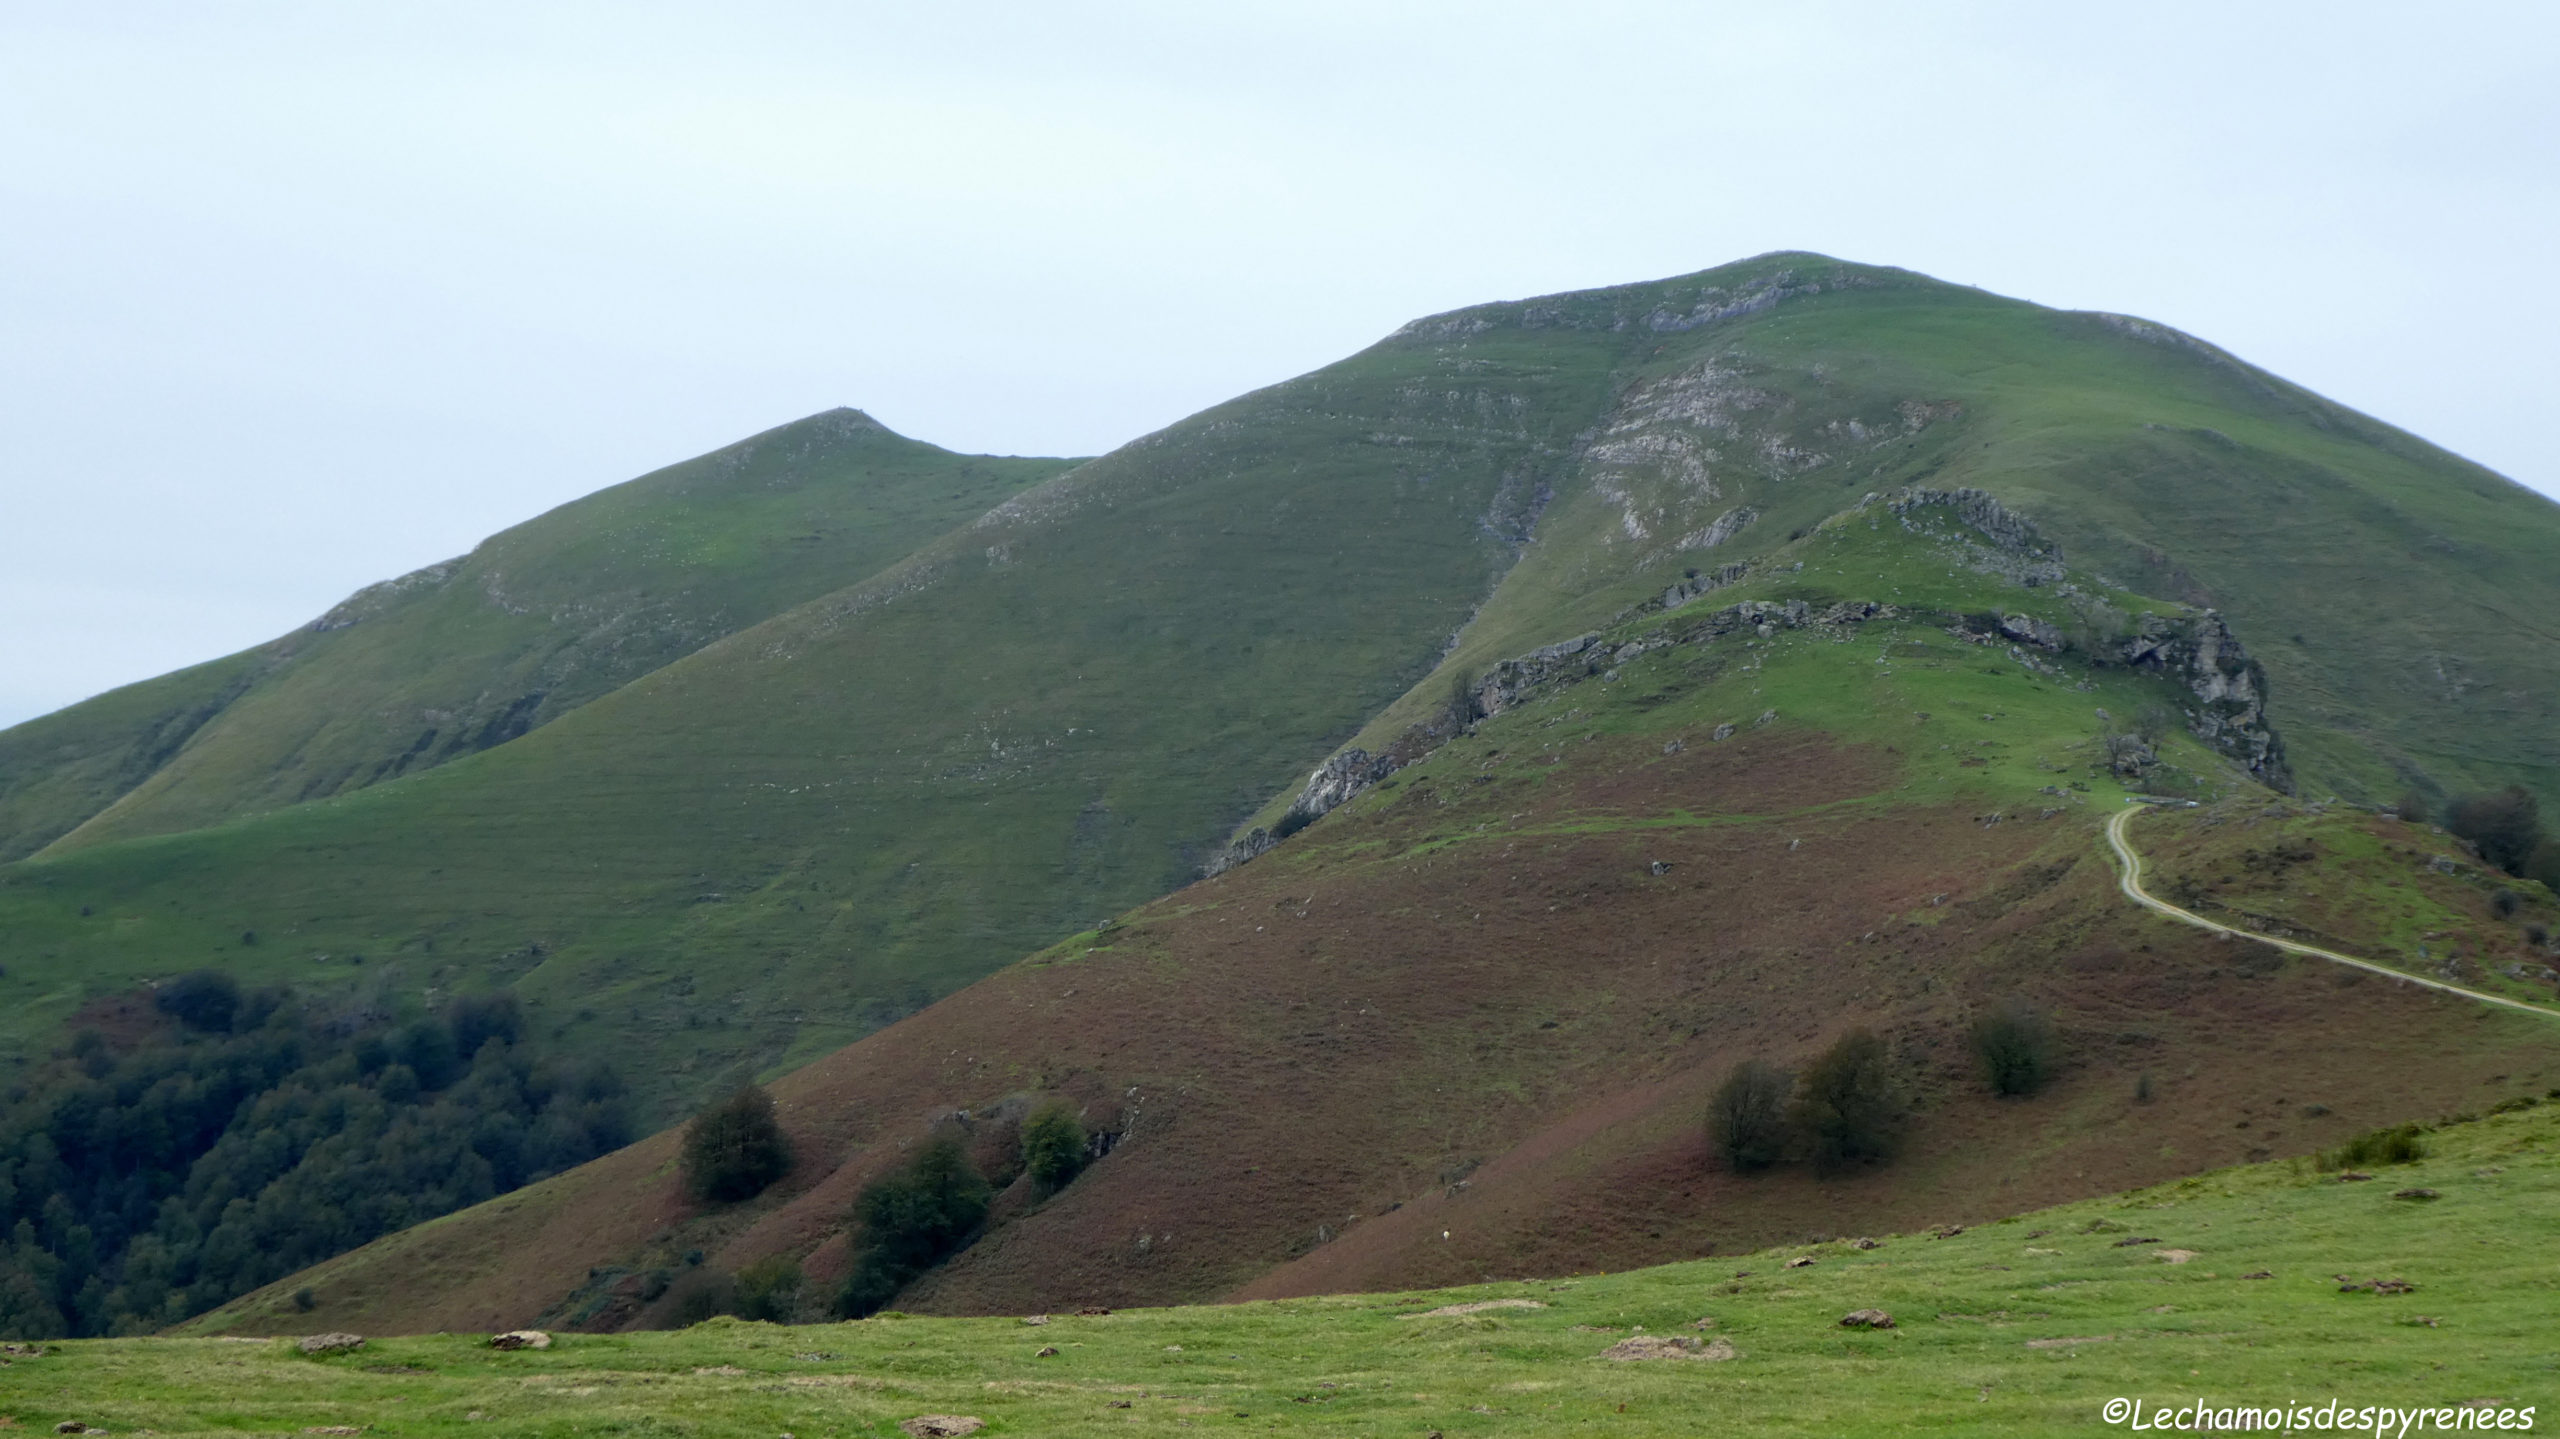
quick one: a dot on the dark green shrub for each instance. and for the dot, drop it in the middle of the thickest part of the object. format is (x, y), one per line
(475, 1019)
(909, 1221)
(768, 1289)
(1847, 1106)
(702, 1294)
(2505, 825)
(2400, 1144)
(206, 1000)
(1747, 1119)
(735, 1149)
(2504, 904)
(2412, 807)
(2543, 865)
(2016, 1047)
(1053, 1144)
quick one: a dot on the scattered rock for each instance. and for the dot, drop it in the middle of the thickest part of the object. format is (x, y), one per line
(2071, 1342)
(2415, 1194)
(74, 1426)
(1801, 1261)
(1452, 1311)
(1095, 1312)
(1036, 1319)
(1047, 1351)
(2260, 1274)
(1948, 1231)
(1119, 1404)
(2174, 1256)
(330, 1343)
(1659, 868)
(1667, 1346)
(942, 1426)
(1864, 1244)
(1866, 1319)
(2347, 1285)
(2352, 1176)
(1674, 747)
(335, 1429)
(1723, 732)
(2137, 1239)
(520, 1339)
(1704, 1323)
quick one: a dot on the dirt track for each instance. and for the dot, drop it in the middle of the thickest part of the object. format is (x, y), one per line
(2130, 881)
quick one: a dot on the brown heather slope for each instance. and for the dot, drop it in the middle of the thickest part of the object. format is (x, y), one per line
(1461, 1028)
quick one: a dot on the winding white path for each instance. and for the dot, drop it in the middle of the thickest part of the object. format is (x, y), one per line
(2131, 883)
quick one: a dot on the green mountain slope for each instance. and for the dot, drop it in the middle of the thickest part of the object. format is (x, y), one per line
(796, 833)
(1469, 1020)
(468, 654)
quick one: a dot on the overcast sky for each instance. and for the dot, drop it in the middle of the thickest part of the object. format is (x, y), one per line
(294, 297)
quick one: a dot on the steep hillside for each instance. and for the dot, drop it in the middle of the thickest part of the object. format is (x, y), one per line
(793, 835)
(1467, 1022)
(470, 653)
(2136, 558)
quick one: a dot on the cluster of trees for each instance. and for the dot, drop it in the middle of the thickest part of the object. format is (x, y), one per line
(1846, 1109)
(259, 1134)
(904, 1223)
(932, 1208)
(1849, 1107)
(2504, 825)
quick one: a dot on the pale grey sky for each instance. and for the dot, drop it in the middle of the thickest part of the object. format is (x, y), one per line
(298, 296)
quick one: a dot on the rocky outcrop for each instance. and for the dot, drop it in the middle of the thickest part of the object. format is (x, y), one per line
(2229, 688)
(1334, 781)
(2017, 550)
(1571, 661)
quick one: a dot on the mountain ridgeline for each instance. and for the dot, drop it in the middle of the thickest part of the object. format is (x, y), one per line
(1687, 670)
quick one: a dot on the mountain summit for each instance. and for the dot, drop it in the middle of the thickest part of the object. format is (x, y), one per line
(1414, 784)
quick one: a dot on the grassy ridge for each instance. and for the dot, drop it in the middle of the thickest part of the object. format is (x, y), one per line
(753, 856)
(2026, 1325)
(1525, 961)
(823, 822)
(536, 621)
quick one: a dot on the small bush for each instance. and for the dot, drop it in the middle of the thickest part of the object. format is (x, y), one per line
(475, 1019)
(2412, 807)
(735, 1149)
(2400, 1144)
(2142, 1088)
(2016, 1047)
(2506, 826)
(2543, 865)
(206, 1000)
(768, 1289)
(910, 1221)
(1847, 1106)
(700, 1295)
(1053, 1144)
(2504, 904)
(1747, 1119)
(305, 1300)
